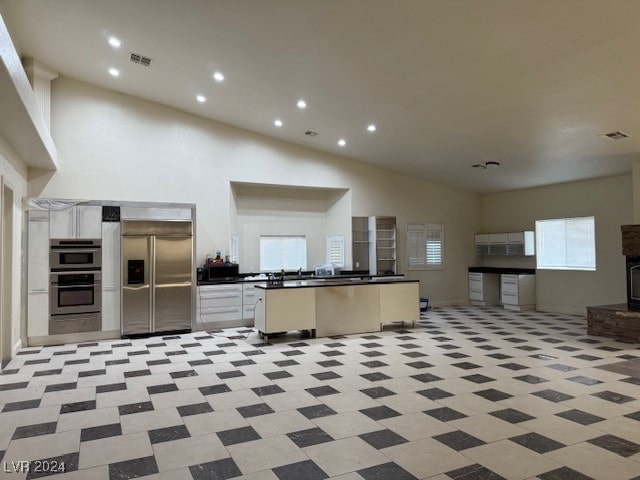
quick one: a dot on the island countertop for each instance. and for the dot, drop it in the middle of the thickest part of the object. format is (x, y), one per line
(287, 284)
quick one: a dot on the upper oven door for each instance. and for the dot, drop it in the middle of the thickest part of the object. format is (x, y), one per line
(75, 255)
(75, 292)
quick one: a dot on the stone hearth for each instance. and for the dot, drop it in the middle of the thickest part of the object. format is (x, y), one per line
(615, 321)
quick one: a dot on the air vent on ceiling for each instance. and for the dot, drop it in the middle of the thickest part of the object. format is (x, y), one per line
(617, 135)
(141, 59)
(311, 133)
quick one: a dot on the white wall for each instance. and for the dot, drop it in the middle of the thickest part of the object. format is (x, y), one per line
(610, 200)
(112, 146)
(14, 175)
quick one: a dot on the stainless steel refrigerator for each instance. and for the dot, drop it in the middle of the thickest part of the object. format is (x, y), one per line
(157, 273)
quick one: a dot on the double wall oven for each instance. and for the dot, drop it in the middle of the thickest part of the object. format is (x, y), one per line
(75, 287)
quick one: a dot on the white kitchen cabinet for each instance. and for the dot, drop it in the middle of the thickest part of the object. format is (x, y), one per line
(484, 289)
(111, 272)
(80, 221)
(512, 243)
(286, 309)
(111, 318)
(219, 303)
(38, 319)
(518, 292)
(38, 252)
(249, 300)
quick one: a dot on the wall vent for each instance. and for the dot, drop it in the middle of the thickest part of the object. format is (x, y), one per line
(141, 59)
(311, 133)
(617, 135)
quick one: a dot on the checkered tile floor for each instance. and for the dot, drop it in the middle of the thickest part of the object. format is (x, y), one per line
(469, 393)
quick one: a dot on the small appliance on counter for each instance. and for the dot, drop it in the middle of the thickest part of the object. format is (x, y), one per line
(224, 271)
(328, 270)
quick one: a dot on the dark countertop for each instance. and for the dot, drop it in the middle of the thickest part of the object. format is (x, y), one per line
(506, 271)
(241, 279)
(332, 283)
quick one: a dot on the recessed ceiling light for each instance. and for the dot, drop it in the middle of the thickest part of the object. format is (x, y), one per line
(114, 42)
(201, 98)
(277, 122)
(492, 164)
(114, 72)
(218, 77)
(302, 104)
(371, 128)
(342, 142)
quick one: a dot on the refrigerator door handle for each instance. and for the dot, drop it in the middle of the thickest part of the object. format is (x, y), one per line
(152, 283)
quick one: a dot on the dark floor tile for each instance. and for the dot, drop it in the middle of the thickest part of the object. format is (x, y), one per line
(322, 391)
(176, 353)
(322, 376)
(214, 389)
(132, 408)
(458, 355)
(255, 410)
(633, 416)
(513, 366)
(183, 374)
(78, 406)
(459, 440)
(536, 442)
(194, 409)
(292, 353)
(466, 365)
(311, 436)
(168, 387)
(419, 365)
(426, 377)
(613, 397)
(168, 434)
(216, 470)
(23, 405)
(34, 430)
(306, 470)
(579, 416)
(584, 380)
(477, 378)
(102, 431)
(316, 411)
(137, 373)
(374, 364)
(589, 358)
(532, 379)
(37, 362)
(135, 468)
(493, 395)
(290, 362)
(242, 363)
(267, 390)
(164, 361)
(553, 395)
(238, 435)
(386, 471)
(473, 472)
(60, 386)
(197, 363)
(563, 473)
(112, 387)
(414, 354)
(92, 373)
(512, 416)
(324, 363)
(614, 444)
(445, 414)
(44, 373)
(377, 392)
(560, 367)
(277, 375)
(375, 376)
(383, 439)
(60, 464)
(230, 374)
(632, 380)
(379, 413)
(435, 393)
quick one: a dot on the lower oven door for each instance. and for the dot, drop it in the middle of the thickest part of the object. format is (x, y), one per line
(75, 292)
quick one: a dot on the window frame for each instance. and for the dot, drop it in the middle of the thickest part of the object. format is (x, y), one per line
(426, 228)
(590, 266)
(285, 267)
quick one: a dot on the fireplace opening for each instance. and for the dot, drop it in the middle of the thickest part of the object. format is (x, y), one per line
(633, 282)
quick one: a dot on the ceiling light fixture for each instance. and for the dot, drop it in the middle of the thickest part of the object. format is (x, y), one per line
(371, 128)
(114, 42)
(302, 104)
(218, 77)
(114, 72)
(277, 122)
(201, 98)
(486, 165)
(617, 135)
(342, 142)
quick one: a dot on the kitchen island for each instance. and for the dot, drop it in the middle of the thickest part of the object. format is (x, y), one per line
(335, 307)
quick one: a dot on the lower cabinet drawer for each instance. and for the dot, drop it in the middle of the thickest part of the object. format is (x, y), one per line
(220, 314)
(475, 295)
(509, 298)
(509, 284)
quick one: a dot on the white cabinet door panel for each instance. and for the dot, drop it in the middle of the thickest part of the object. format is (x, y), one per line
(88, 221)
(62, 223)
(38, 261)
(111, 272)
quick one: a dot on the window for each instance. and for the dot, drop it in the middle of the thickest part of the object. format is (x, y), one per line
(283, 252)
(335, 250)
(425, 246)
(566, 244)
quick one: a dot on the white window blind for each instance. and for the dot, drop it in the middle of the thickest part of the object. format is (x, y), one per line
(335, 250)
(566, 244)
(283, 252)
(425, 246)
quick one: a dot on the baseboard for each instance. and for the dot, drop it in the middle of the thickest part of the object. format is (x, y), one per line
(568, 311)
(73, 338)
(224, 324)
(16, 348)
(450, 303)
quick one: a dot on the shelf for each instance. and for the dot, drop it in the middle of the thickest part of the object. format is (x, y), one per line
(361, 241)
(386, 259)
(385, 248)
